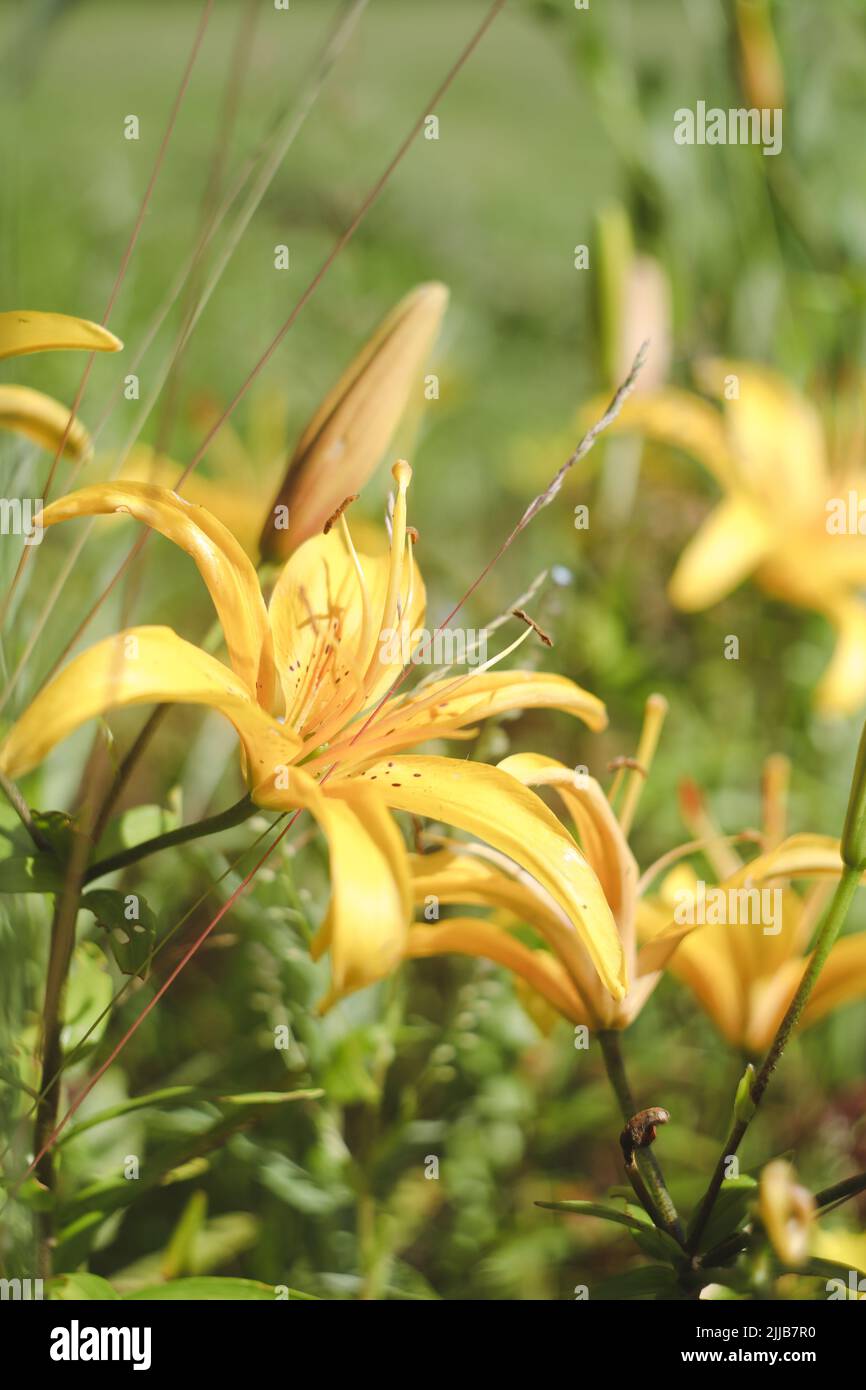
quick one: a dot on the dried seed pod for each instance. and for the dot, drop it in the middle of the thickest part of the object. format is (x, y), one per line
(640, 1131)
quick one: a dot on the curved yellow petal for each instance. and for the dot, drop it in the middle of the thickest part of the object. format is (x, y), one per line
(353, 426)
(598, 831)
(705, 964)
(496, 808)
(142, 665)
(798, 856)
(466, 875)
(371, 904)
(472, 936)
(42, 419)
(732, 541)
(232, 498)
(774, 433)
(842, 688)
(841, 981)
(222, 564)
(28, 330)
(325, 623)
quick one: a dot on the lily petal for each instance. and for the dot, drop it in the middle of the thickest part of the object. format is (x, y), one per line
(143, 665)
(842, 688)
(488, 803)
(28, 330)
(774, 432)
(371, 903)
(42, 419)
(221, 561)
(597, 828)
(732, 541)
(841, 981)
(322, 643)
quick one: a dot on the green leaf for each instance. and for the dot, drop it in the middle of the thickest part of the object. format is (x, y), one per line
(622, 1218)
(130, 926)
(177, 1257)
(207, 1288)
(649, 1281)
(732, 1209)
(88, 997)
(170, 1095)
(30, 873)
(81, 1287)
(269, 1097)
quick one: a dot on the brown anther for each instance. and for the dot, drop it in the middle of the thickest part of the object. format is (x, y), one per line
(640, 1131)
(623, 761)
(335, 516)
(412, 533)
(530, 622)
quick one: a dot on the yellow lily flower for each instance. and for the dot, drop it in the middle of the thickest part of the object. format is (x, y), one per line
(782, 501)
(561, 974)
(742, 975)
(307, 690)
(31, 413)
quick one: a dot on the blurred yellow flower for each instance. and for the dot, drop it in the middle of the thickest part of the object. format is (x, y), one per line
(31, 413)
(307, 691)
(785, 515)
(744, 973)
(787, 1211)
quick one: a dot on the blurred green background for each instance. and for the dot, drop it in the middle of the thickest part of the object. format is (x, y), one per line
(559, 116)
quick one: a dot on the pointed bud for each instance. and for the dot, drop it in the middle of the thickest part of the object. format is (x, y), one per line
(352, 428)
(744, 1106)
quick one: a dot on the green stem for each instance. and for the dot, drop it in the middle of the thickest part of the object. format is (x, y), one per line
(665, 1213)
(22, 810)
(211, 825)
(849, 1187)
(838, 911)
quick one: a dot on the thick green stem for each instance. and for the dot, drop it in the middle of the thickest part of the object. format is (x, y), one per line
(665, 1213)
(833, 922)
(211, 825)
